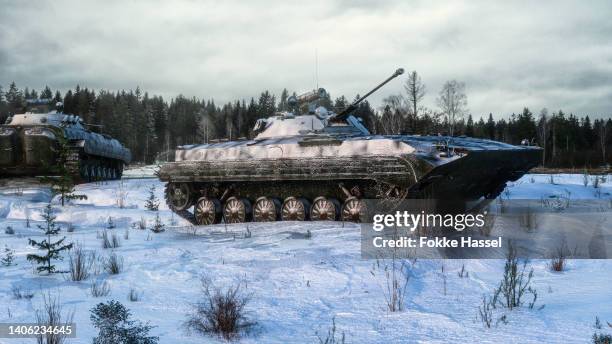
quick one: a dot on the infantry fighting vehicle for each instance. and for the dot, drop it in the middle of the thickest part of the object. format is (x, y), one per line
(30, 145)
(318, 165)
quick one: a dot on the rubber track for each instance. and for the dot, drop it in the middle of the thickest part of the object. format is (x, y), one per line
(187, 215)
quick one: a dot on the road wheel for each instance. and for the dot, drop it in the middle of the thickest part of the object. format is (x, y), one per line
(295, 209)
(178, 196)
(353, 210)
(266, 209)
(236, 210)
(208, 211)
(324, 209)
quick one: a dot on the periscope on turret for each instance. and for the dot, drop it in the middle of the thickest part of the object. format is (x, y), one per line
(30, 144)
(311, 163)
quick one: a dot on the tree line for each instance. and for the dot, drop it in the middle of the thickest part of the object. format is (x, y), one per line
(151, 126)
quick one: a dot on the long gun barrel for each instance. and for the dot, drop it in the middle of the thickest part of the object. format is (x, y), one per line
(344, 114)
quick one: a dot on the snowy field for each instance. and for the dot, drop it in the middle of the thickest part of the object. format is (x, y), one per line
(298, 284)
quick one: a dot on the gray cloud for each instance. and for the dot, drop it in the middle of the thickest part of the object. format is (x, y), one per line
(510, 54)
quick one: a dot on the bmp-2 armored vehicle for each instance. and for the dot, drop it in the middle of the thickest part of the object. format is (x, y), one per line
(319, 165)
(30, 145)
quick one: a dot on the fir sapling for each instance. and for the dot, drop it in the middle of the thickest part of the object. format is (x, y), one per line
(52, 249)
(152, 203)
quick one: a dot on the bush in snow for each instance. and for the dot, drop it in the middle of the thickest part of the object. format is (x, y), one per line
(121, 195)
(134, 296)
(599, 337)
(557, 203)
(221, 312)
(142, 224)
(152, 203)
(113, 322)
(97, 263)
(395, 285)
(9, 230)
(485, 312)
(558, 262)
(331, 335)
(114, 264)
(115, 242)
(112, 242)
(463, 273)
(51, 315)
(516, 283)
(80, 264)
(19, 294)
(53, 249)
(8, 257)
(99, 289)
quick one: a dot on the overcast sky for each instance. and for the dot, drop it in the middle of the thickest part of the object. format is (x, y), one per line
(510, 54)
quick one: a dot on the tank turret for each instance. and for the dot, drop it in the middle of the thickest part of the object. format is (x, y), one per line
(310, 118)
(310, 163)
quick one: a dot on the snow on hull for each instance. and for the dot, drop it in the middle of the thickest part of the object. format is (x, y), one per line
(298, 284)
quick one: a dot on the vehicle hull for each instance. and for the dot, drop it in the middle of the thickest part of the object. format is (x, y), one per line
(454, 175)
(34, 151)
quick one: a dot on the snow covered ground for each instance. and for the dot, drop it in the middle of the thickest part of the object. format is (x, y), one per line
(297, 284)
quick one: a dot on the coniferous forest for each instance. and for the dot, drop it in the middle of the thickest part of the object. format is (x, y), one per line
(150, 125)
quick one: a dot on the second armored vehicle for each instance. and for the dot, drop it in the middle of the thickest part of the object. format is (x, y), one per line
(30, 145)
(320, 165)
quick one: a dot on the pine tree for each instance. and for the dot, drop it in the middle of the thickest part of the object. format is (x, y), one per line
(3, 107)
(15, 99)
(469, 127)
(152, 203)
(149, 135)
(282, 104)
(158, 226)
(53, 249)
(112, 320)
(9, 256)
(46, 93)
(57, 98)
(64, 183)
(490, 131)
